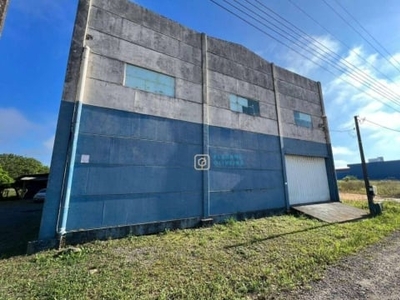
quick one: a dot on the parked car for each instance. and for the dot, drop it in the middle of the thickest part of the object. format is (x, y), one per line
(40, 196)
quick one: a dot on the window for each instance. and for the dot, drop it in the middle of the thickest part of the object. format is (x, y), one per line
(302, 119)
(149, 81)
(243, 105)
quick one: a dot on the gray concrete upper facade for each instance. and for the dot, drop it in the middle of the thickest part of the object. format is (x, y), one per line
(120, 32)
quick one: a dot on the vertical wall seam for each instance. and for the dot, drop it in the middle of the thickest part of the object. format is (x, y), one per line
(330, 162)
(280, 134)
(324, 118)
(206, 122)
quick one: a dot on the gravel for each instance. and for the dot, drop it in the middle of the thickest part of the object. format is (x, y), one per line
(370, 274)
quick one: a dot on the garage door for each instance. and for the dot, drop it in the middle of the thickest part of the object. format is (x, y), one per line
(307, 179)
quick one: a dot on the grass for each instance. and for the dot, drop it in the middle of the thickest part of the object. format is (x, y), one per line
(385, 188)
(8, 194)
(254, 259)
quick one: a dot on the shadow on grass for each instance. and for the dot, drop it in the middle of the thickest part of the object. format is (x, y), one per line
(296, 214)
(18, 245)
(20, 224)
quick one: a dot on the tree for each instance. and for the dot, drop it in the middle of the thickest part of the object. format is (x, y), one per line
(16, 165)
(4, 177)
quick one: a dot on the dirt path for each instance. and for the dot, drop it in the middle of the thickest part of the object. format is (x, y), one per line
(349, 196)
(370, 274)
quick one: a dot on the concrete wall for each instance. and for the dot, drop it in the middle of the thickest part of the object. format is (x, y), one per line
(3, 13)
(135, 149)
(297, 93)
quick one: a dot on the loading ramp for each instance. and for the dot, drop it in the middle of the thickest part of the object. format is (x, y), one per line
(332, 212)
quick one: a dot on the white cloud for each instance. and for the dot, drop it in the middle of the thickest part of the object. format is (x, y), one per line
(341, 150)
(387, 119)
(49, 143)
(358, 89)
(21, 136)
(296, 61)
(340, 164)
(13, 125)
(366, 102)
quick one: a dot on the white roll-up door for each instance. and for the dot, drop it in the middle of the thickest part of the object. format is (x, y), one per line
(307, 179)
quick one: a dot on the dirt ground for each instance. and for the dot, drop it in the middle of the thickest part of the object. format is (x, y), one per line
(349, 196)
(370, 274)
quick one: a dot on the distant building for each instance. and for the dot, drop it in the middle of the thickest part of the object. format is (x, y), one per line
(30, 184)
(377, 170)
(377, 159)
(3, 12)
(173, 128)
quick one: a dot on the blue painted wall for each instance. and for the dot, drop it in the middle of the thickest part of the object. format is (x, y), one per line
(51, 207)
(140, 170)
(305, 148)
(246, 172)
(376, 170)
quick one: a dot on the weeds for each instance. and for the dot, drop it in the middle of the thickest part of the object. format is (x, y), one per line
(256, 259)
(385, 188)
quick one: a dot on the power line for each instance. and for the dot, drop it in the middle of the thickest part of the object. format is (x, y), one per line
(303, 48)
(266, 33)
(349, 131)
(365, 30)
(382, 126)
(357, 31)
(382, 89)
(340, 41)
(378, 90)
(341, 130)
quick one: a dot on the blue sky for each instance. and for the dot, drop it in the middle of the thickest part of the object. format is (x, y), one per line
(35, 42)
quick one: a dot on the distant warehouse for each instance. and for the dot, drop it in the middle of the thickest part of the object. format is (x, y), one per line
(377, 170)
(172, 128)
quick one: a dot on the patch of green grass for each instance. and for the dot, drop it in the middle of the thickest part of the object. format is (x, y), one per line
(8, 194)
(386, 188)
(253, 259)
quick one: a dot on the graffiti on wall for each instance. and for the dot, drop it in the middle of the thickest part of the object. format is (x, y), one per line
(228, 160)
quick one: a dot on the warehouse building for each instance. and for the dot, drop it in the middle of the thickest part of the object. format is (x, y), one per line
(377, 170)
(164, 127)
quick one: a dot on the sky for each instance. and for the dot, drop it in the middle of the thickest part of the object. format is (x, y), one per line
(359, 73)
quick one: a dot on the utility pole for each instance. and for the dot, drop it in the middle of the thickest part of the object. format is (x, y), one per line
(374, 208)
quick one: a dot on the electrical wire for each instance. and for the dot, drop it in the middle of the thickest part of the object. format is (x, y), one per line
(341, 130)
(296, 50)
(357, 31)
(382, 126)
(326, 51)
(339, 40)
(366, 31)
